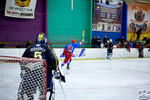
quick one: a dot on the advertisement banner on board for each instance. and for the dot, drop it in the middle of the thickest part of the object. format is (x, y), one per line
(20, 8)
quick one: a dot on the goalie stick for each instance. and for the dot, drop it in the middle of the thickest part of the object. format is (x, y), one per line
(63, 90)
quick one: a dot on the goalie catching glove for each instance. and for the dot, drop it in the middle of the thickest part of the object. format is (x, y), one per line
(59, 75)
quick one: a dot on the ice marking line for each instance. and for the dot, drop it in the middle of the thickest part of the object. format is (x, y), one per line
(134, 85)
(104, 58)
(139, 71)
(99, 88)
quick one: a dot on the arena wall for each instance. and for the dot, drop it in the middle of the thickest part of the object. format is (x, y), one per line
(20, 29)
(90, 53)
(68, 22)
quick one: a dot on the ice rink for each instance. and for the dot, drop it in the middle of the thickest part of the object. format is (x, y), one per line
(116, 79)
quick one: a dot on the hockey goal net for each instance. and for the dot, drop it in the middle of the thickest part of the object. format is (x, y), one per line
(22, 78)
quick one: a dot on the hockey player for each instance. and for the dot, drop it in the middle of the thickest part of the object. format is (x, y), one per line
(39, 50)
(68, 52)
(109, 49)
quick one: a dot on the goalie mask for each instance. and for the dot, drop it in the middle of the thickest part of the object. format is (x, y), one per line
(41, 38)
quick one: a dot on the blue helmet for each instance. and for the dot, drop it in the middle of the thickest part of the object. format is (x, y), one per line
(41, 38)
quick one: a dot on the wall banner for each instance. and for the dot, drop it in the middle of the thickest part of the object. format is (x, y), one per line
(20, 8)
(107, 18)
(138, 18)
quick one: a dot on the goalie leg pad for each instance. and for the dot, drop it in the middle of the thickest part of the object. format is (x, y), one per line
(49, 82)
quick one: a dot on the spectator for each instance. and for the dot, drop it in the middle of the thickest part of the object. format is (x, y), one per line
(98, 42)
(147, 44)
(127, 45)
(130, 44)
(1, 45)
(119, 45)
(94, 42)
(140, 48)
(28, 43)
(105, 39)
(122, 39)
(122, 42)
(134, 44)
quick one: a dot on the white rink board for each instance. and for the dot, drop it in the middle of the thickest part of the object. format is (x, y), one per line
(116, 79)
(90, 53)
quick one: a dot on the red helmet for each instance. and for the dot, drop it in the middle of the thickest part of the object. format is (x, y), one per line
(73, 41)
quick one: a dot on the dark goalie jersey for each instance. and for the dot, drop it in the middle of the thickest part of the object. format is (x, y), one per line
(42, 51)
(33, 78)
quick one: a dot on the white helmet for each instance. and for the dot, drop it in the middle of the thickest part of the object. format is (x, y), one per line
(110, 40)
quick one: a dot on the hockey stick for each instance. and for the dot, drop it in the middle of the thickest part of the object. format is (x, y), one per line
(83, 34)
(63, 90)
(83, 49)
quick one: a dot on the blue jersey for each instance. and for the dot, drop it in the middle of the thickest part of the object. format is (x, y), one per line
(42, 51)
(72, 45)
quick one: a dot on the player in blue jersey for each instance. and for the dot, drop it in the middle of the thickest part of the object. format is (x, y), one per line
(41, 50)
(68, 52)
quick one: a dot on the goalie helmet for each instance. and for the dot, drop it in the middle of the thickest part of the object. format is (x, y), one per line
(41, 38)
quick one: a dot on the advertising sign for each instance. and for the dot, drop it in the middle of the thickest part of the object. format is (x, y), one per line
(20, 8)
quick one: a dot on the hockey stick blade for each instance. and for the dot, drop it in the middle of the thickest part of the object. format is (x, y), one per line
(62, 78)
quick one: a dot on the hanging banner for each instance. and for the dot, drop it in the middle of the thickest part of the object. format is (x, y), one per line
(20, 8)
(107, 18)
(138, 21)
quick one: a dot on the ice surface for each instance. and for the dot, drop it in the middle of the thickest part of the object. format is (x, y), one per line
(116, 79)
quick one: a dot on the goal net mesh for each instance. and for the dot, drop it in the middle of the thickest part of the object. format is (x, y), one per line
(22, 78)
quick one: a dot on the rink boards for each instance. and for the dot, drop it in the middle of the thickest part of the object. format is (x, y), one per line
(90, 53)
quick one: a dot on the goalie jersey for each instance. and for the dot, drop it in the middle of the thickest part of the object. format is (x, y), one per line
(42, 51)
(33, 79)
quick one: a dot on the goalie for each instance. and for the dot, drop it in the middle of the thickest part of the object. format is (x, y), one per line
(28, 86)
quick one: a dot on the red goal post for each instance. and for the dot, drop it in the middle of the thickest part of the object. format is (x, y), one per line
(22, 78)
